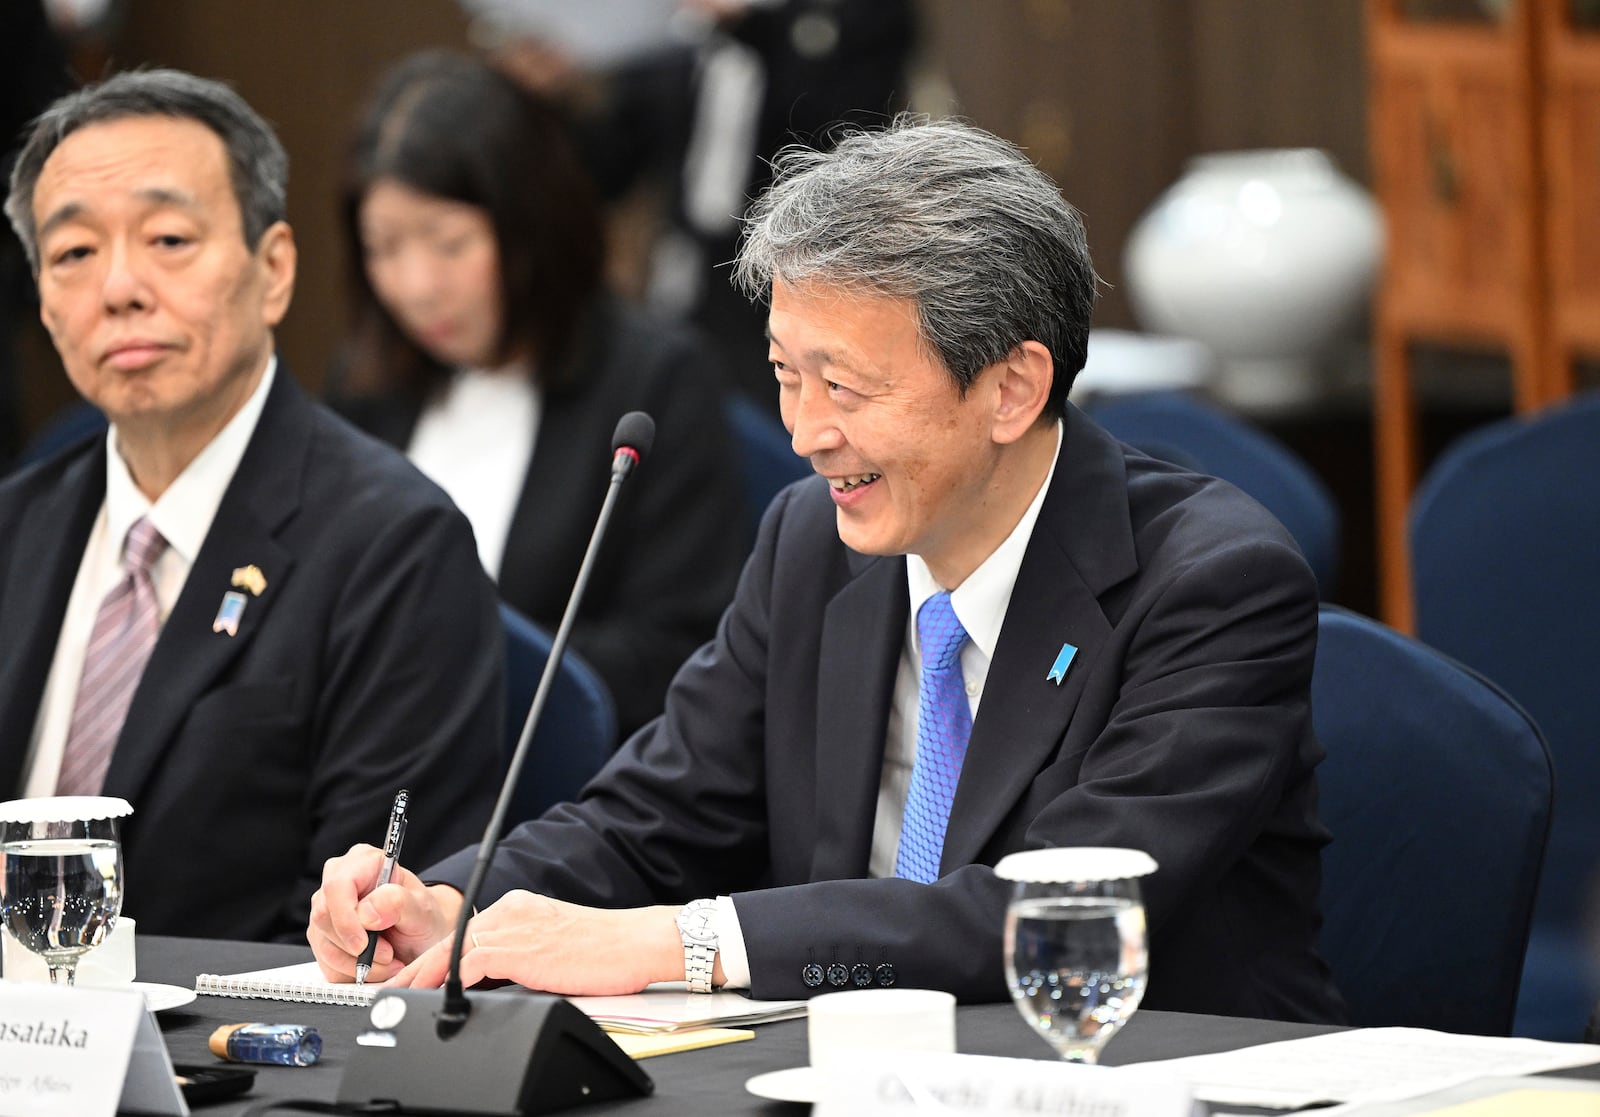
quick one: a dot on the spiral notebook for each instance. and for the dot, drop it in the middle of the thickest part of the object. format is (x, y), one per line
(660, 1010)
(302, 982)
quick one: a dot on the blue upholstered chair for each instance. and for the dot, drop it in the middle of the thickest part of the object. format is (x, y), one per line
(1505, 555)
(766, 458)
(71, 424)
(1178, 427)
(579, 729)
(1437, 789)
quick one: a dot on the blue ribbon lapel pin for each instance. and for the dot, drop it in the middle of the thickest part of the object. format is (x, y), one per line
(1058, 670)
(229, 613)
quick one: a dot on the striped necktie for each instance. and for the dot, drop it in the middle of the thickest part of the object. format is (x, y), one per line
(124, 635)
(944, 722)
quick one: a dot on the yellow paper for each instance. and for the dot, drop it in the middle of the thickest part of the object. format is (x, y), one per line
(668, 1043)
(1520, 1103)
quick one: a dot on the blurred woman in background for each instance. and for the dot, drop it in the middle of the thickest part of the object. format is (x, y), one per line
(485, 346)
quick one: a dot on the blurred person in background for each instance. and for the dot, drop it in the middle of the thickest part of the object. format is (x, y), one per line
(485, 345)
(691, 99)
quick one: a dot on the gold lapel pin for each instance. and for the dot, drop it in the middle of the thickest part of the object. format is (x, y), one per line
(250, 578)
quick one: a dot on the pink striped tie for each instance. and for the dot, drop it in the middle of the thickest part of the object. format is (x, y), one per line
(124, 636)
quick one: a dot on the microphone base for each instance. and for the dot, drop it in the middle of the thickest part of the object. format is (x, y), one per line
(517, 1054)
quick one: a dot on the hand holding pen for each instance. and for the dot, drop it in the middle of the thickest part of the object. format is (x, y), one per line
(391, 855)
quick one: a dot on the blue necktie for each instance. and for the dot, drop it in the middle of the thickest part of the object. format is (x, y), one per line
(944, 722)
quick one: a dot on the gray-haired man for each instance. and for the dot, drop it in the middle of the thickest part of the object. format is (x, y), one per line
(1128, 665)
(232, 610)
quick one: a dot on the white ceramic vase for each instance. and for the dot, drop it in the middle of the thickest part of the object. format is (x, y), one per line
(1266, 256)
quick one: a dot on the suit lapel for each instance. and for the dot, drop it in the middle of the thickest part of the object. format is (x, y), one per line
(1082, 544)
(189, 657)
(863, 631)
(50, 538)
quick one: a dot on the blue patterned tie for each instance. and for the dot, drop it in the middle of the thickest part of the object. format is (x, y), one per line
(944, 722)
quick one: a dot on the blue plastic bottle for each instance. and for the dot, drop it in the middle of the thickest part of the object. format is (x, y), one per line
(289, 1045)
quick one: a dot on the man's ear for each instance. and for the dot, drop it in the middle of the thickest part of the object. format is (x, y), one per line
(1022, 387)
(277, 257)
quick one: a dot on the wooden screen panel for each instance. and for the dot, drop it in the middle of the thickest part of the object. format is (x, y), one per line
(1451, 137)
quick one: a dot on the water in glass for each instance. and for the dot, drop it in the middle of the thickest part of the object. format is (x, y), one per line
(61, 894)
(1076, 963)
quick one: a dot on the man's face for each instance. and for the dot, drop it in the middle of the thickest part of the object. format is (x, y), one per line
(911, 463)
(162, 314)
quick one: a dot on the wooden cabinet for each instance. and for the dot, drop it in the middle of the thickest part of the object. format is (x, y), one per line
(1486, 161)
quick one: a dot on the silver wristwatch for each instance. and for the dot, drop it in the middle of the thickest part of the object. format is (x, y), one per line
(699, 944)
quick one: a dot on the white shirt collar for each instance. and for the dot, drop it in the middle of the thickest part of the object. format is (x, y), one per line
(183, 513)
(981, 600)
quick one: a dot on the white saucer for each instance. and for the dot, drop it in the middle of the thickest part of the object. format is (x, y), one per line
(159, 998)
(795, 1084)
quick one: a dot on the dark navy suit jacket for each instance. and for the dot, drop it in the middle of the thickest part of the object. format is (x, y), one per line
(371, 661)
(1182, 727)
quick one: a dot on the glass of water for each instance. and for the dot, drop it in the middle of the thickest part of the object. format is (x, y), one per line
(1075, 943)
(61, 875)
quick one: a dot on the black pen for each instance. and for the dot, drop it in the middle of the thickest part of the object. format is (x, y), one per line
(391, 854)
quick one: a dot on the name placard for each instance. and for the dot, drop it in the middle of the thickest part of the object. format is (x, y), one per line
(68, 1051)
(894, 1083)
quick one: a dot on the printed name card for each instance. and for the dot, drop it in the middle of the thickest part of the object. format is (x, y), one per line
(69, 1051)
(995, 1087)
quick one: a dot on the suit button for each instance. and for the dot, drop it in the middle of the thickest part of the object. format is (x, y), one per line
(861, 975)
(885, 972)
(838, 974)
(811, 974)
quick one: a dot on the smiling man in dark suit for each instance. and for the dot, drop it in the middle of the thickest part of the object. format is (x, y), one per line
(988, 627)
(232, 610)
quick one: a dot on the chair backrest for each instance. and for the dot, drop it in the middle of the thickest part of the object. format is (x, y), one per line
(1505, 556)
(1437, 788)
(577, 733)
(71, 424)
(1230, 448)
(766, 458)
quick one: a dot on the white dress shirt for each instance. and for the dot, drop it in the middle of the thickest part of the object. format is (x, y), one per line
(475, 441)
(980, 604)
(183, 515)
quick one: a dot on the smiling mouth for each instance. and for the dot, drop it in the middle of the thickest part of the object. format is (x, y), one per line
(846, 484)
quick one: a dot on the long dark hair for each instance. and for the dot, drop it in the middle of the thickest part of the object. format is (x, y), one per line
(453, 127)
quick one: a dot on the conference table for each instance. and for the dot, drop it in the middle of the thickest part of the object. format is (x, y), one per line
(706, 1081)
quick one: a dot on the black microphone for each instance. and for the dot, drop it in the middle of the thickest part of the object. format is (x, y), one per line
(635, 434)
(418, 1055)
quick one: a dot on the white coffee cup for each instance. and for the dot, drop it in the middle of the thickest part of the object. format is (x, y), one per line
(110, 963)
(846, 1028)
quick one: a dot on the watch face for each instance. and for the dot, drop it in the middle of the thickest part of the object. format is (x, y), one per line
(694, 923)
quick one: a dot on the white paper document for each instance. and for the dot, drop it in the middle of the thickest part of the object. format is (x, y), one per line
(1365, 1064)
(670, 1007)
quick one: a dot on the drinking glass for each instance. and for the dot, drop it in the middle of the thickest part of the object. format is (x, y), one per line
(61, 875)
(1075, 943)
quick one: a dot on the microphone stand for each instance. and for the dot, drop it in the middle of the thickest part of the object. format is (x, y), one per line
(506, 1053)
(456, 1008)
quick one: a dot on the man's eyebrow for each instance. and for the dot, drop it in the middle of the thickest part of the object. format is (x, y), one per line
(63, 214)
(825, 358)
(155, 195)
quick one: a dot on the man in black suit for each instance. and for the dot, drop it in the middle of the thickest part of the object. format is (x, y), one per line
(1134, 645)
(234, 611)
